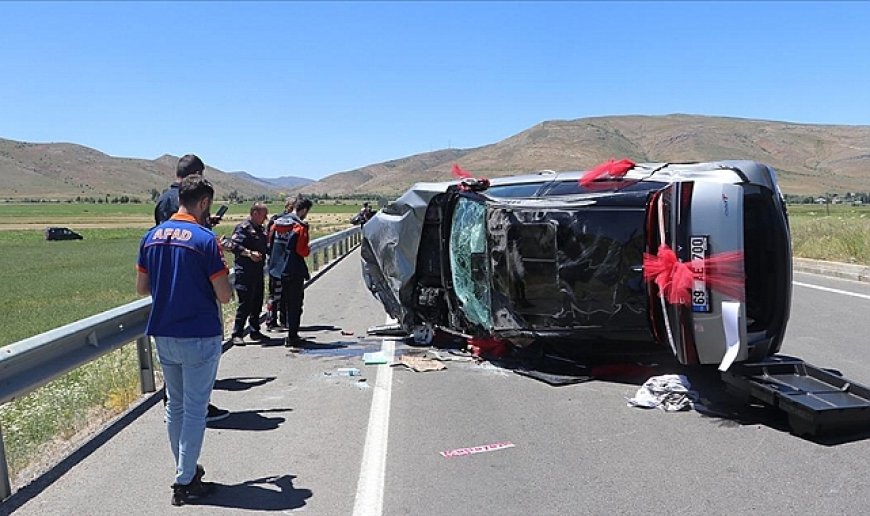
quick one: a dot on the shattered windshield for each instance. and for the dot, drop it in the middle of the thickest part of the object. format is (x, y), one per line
(469, 262)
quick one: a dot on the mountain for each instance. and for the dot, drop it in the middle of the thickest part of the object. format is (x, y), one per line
(65, 170)
(389, 177)
(288, 182)
(283, 184)
(808, 158)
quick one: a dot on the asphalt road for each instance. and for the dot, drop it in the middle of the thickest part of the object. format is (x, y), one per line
(302, 440)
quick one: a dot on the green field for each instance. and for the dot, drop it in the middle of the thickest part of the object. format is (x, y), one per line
(53, 211)
(10, 212)
(839, 233)
(49, 284)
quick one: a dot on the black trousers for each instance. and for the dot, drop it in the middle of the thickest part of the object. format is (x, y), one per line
(292, 295)
(249, 289)
(277, 310)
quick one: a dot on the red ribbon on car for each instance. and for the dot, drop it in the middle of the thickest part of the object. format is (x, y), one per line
(609, 170)
(723, 272)
(458, 173)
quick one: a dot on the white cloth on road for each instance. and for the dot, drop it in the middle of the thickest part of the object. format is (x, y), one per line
(669, 392)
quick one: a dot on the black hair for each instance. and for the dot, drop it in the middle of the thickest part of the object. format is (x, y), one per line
(303, 204)
(192, 190)
(188, 165)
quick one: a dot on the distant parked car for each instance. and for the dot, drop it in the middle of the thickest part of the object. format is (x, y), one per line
(61, 234)
(692, 258)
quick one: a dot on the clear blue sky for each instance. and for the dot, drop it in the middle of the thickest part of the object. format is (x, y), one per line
(311, 89)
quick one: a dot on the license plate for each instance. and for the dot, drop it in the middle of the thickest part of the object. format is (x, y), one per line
(700, 293)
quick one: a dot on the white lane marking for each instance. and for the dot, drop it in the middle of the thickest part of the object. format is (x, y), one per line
(370, 487)
(834, 290)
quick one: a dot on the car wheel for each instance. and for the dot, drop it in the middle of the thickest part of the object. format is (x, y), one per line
(423, 335)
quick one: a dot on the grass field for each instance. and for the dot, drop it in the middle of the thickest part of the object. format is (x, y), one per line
(837, 233)
(49, 284)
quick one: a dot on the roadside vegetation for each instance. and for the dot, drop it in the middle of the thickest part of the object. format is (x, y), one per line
(50, 284)
(839, 233)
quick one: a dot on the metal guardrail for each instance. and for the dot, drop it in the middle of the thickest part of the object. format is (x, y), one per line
(31, 363)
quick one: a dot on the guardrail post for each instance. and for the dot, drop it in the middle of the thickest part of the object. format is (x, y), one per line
(5, 486)
(315, 260)
(146, 364)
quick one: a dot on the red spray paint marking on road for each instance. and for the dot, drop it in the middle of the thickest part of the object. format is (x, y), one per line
(461, 452)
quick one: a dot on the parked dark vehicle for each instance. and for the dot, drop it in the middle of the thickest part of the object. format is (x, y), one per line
(695, 258)
(61, 234)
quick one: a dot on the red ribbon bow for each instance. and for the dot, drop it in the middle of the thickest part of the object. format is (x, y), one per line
(723, 272)
(608, 170)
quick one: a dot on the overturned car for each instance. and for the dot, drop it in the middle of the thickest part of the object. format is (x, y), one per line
(691, 257)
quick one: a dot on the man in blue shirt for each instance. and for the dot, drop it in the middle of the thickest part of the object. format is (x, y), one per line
(181, 266)
(165, 208)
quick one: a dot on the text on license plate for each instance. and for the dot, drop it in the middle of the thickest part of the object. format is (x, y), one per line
(700, 293)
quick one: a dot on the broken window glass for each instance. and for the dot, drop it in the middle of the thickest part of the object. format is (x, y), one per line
(469, 261)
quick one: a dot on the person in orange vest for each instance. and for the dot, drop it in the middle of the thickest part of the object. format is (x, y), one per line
(290, 247)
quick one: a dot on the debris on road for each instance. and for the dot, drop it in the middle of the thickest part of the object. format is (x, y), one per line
(387, 330)
(449, 356)
(344, 371)
(553, 378)
(461, 452)
(669, 392)
(556, 371)
(347, 332)
(420, 364)
(374, 358)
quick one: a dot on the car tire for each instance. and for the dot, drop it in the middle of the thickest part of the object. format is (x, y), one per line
(423, 335)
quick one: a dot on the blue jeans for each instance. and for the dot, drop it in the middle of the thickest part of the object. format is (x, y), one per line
(189, 370)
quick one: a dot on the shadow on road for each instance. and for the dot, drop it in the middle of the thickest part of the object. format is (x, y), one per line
(250, 420)
(241, 383)
(263, 494)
